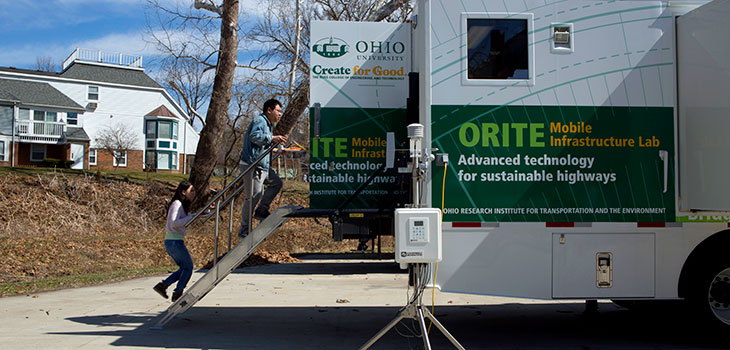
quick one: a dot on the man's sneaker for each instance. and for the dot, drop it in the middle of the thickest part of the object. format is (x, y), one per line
(161, 289)
(261, 214)
(176, 295)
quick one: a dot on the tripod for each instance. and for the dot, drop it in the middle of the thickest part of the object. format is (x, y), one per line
(417, 311)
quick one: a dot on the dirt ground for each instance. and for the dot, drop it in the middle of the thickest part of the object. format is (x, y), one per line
(60, 224)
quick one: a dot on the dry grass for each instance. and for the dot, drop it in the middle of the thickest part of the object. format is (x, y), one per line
(61, 226)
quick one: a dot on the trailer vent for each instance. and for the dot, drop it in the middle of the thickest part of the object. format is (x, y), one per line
(562, 38)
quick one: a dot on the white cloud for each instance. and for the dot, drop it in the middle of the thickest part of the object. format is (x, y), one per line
(127, 43)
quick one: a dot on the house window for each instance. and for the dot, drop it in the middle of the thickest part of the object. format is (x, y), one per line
(43, 116)
(24, 114)
(93, 93)
(72, 118)
(162, 160)
(151, 129)
(165, 130)
(150, 160)
(161, 129)
(37, 152)
(2, 152)
(51, 117)
(92, 156)
(120, 158)
(497, 49)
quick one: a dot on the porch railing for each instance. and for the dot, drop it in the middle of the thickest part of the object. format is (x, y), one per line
(103, 57)
(32, 128)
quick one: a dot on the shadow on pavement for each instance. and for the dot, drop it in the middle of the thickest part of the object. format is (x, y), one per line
(324, 268)
(507, 326)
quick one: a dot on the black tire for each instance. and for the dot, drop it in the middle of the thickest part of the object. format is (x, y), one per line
(709, 293)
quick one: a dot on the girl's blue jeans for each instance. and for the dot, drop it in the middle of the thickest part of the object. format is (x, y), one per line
(177, 250)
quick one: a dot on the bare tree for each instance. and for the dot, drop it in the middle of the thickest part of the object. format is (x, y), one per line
(212, 133)
(184, 34)
(117, 141)
(45, 64)
(189, 83)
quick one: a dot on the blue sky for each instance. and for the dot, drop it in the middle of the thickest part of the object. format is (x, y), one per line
(54, 28)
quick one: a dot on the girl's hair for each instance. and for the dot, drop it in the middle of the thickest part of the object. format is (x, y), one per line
(179, 196)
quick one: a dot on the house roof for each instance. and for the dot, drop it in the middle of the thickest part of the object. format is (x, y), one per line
(76, 134)
(35, 94)
(107, 74)
(161, 111)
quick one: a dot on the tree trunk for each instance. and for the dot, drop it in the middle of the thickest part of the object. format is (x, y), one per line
(296, 107)
(206, 154)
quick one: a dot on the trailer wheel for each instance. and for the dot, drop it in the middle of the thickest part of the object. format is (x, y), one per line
(710, 297)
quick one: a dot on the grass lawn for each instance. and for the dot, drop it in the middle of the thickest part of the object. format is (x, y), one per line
(54, 283)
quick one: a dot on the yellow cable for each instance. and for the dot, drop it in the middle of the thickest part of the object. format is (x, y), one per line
(436, 270)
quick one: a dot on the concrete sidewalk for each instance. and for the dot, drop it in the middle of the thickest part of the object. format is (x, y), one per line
(317, 304)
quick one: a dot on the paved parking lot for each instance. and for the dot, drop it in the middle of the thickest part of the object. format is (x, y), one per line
(324, 303)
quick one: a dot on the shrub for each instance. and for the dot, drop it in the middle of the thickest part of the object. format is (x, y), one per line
(57, 163)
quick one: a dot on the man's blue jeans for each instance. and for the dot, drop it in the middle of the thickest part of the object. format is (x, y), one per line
(177, 250)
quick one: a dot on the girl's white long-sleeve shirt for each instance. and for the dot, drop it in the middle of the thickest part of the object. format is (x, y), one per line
(176, 220)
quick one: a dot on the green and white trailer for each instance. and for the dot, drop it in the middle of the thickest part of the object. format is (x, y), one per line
(586, 141)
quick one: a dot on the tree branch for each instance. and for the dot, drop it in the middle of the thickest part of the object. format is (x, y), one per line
(208, 5)
(187, 102)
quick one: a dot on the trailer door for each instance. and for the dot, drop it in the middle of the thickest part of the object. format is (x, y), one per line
(703, 68)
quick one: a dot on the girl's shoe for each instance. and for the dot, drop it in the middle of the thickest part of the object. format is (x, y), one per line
(176, 295)
(161, 289)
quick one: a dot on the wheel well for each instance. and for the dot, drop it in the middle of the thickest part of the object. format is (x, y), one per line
(706, 251)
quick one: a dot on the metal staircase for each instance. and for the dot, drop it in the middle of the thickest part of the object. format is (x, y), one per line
(235, 256)
(226, 265)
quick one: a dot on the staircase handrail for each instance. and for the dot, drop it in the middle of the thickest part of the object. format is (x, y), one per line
(228, 187)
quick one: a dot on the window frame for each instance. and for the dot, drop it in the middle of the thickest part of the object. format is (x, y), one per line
(3, 150)
(89, 93)
(529, 17)
(69, 118)
(94, 152)
(123, 164)
(45, 152)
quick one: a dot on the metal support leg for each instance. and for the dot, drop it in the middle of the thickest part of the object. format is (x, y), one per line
(230, 223)
(217, 221)
(441, 328)
(382, 332)
(415, 310)
(424, 330)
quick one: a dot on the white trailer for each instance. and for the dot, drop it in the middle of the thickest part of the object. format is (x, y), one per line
(587, 142)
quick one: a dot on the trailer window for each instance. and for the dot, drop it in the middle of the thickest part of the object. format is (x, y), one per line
(497, 49)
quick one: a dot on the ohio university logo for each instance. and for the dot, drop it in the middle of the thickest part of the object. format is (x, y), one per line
(331, 47)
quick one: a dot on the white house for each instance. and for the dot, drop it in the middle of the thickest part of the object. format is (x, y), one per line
(60, 115)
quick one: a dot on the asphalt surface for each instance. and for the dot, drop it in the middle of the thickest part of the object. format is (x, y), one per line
(327, 302)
